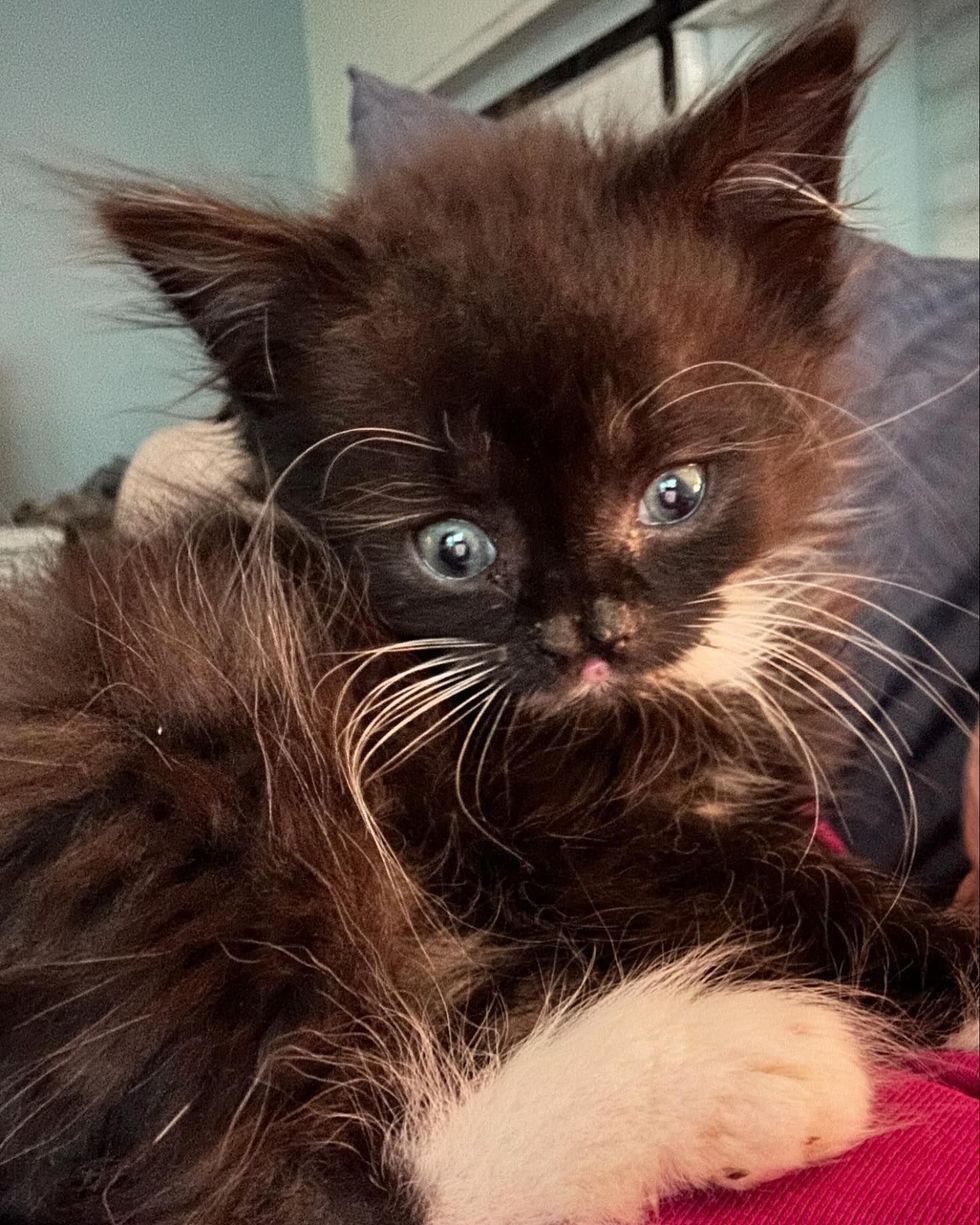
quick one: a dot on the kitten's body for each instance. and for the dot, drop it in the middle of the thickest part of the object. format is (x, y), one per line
(213, 975)
(286, 940)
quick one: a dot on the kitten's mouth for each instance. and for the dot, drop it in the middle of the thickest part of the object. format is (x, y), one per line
(594, 672)
(593, 677)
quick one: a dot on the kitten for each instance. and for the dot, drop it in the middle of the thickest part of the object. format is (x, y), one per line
(423, 843)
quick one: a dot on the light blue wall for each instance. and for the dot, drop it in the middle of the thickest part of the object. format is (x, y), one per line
(196, 88)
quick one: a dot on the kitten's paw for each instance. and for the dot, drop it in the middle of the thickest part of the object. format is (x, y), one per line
(662, 1084)
(785, 1083)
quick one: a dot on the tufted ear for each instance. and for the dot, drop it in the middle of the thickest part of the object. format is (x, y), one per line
(231, 271)
(761, 161)
(774, 145)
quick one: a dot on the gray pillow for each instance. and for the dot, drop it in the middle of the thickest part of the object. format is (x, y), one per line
(916, 344)
(388, 123)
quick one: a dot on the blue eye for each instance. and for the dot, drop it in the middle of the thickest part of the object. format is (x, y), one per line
(674, 495)
(455, 549)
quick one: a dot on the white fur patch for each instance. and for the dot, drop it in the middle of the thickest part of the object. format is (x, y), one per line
(967, 1038)
(666, 1082)
(732, 646)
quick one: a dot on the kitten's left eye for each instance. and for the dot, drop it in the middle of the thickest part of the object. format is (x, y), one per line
(672, 496)
(455, 549)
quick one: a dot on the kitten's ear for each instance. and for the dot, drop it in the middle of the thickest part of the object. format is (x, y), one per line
(762, 158)
(229, 271)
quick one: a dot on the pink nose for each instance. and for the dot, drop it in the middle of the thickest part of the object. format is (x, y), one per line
(594, 671)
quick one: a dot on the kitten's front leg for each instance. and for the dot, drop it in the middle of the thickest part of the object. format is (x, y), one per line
(804, 914)
(675, 1080)
(679, 1078)
(841, 920)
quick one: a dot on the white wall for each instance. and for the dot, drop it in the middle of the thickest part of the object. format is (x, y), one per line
(913, 149)
(949, 35)
(409, 42)
(193, 88)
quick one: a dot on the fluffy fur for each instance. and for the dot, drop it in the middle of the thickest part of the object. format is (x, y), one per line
(329, 890)
(574, 1124)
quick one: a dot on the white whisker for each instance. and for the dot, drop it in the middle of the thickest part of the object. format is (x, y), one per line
(906, 412)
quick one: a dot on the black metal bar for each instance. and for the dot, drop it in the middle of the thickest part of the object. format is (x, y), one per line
(654, 23)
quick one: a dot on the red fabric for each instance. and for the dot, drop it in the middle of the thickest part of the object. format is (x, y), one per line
(833, 842)
(922, 1172)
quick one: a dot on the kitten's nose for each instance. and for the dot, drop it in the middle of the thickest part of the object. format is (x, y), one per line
(604, 629)
(610, 623)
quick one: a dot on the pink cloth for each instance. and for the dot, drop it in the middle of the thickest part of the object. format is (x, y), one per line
(833, 842)
(922, 1172)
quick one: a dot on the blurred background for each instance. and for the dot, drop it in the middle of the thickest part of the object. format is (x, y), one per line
(256, 92)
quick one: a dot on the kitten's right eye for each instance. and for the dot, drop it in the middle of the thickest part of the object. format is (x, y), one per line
(454, 549)
(673, 496)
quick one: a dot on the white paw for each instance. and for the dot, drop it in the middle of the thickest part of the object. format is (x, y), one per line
(783, 1082)
(660, 1085)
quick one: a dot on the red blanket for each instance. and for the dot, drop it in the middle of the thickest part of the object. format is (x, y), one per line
(924, 1171)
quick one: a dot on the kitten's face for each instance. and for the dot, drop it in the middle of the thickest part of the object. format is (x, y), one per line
(537, 392)
(564, 458)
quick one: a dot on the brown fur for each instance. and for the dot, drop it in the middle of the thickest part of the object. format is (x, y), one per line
(224, 935)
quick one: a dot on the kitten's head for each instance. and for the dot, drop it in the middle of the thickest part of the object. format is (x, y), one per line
(548, 395)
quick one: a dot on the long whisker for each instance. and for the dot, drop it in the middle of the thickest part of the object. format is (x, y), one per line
(790, 734)
(790, 657)
(906, 666)
(759, 379)
(371, 434)
(891, 616)
(894, 660)
(363, 659)
(442, 695)
(358, 733)
(908, 805)
(458, 777)
(779, 674)
(906, 412)
(874, 579)
(453, 716)
(379, 698)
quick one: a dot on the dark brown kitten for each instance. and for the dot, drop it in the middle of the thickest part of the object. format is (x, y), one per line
(373, 852)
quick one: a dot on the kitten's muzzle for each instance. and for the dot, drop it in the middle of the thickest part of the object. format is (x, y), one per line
(603, 630)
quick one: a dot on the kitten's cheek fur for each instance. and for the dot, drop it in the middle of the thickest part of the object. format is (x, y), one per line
(663, 1084)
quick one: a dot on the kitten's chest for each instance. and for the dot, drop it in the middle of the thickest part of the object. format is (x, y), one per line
(544, 830)
(506, 836)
